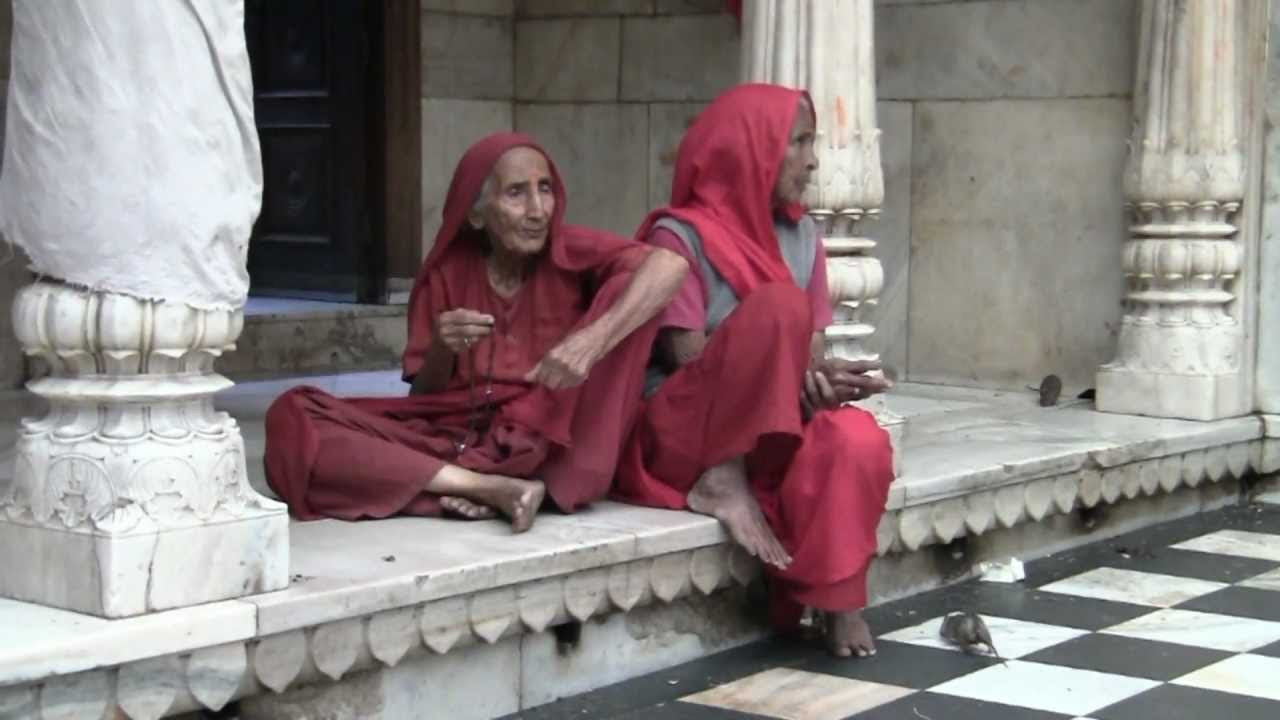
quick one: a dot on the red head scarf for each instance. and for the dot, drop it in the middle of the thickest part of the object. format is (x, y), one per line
(726, 170)
(571, 248)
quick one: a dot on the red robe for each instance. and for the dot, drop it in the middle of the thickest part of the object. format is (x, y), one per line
(822, 484)
(358, 458)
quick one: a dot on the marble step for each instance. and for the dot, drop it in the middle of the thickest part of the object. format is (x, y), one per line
(394, 615)
(284, 338)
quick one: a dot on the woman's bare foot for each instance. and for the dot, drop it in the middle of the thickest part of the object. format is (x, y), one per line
(722, 493)
(463, 490)
(464, 508)
(848, 634)
(517, 499)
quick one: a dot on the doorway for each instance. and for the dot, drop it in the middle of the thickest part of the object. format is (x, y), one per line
(319, 97)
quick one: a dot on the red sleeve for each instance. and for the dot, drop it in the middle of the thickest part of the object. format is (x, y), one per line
(688, 309)
(819, 292)
(425, 302)
(601, 254)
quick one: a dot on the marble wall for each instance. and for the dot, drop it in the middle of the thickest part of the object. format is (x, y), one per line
(13, 266)
(467, 89)
(1016, 113)
(609, 87)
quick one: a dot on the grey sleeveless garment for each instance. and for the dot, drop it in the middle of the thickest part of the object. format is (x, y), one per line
(798, 243)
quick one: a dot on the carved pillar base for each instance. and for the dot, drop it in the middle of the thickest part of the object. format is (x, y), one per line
(1181, 350)
(856, 278)
(131, 494)
(1190, 397)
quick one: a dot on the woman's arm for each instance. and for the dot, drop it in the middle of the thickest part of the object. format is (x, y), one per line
(651, 288)
(654, 284)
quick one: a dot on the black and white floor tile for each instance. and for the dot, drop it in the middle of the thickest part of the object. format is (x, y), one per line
(1181, 621)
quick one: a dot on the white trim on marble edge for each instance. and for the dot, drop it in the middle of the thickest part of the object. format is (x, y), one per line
(42, 641)
(213, 675)
(437, 559)
(1271, 425)
(1004, 506)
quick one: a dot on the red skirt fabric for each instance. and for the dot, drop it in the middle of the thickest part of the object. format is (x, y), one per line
(822, 485)
(354, 458)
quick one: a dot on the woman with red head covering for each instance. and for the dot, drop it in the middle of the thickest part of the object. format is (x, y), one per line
(744, 419)
(528, 340)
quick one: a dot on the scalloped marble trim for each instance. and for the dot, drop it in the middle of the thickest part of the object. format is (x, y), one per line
(909, 528)
(211, 677)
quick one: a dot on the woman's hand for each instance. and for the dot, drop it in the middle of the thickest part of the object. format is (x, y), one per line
(833, 382)
(460, 328)
(569, 362)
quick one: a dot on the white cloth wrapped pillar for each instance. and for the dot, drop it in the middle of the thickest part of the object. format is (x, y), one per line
(132, 177)
(1182, 350)
(827, 47)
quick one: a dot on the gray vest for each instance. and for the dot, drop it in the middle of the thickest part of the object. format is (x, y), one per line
(799, 246)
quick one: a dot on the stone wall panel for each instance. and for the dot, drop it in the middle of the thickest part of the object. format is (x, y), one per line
(466, 56)
(471, 7)
(539, 8)
(1002, 49)
(892, 233)
(690, 57)
(569, 59)
(601, 151)
(1016, 209)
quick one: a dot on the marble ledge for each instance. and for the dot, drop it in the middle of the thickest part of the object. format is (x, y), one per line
(369, 594)
(176, 679)
(265, 309)
(955, 454)
(40, 641)
(1271, 425)
(350, 569)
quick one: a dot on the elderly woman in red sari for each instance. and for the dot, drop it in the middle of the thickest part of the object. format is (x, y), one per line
(745, 418)
(528, 340)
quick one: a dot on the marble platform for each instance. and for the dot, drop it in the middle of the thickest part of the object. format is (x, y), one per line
(984, 474)
(284, 337)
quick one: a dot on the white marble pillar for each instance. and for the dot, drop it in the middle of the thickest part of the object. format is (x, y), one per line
(827, 47)
(132, 177)
(1267, 386)
(1182, 350)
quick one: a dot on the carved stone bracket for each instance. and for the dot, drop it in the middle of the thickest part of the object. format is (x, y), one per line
(131, 479)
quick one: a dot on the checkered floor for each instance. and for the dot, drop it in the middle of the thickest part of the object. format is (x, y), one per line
(1178, 621)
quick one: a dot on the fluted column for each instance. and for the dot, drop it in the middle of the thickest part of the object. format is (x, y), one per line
(131, 178)
(827, 47)
(1181, 350)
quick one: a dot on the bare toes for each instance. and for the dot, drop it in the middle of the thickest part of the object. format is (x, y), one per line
(466, 508)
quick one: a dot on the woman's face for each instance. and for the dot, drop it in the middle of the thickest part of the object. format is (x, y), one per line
(800, 161)
(517, 211)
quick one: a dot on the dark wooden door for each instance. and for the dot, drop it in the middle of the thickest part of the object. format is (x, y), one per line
(316, 101)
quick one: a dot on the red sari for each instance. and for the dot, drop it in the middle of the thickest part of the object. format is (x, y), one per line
(353, 458)
(821, 484)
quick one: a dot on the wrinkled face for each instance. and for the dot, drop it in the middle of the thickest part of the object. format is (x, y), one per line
(800, 161)
(518, 202)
